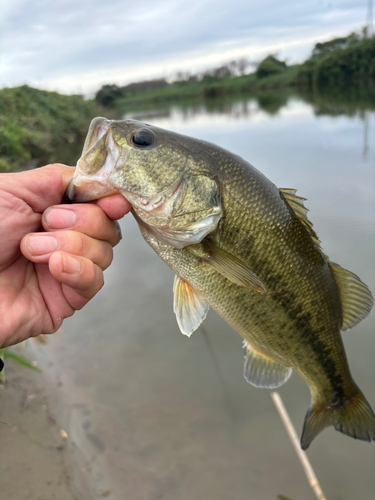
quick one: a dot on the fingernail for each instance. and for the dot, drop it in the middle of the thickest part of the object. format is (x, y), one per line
(118, 230)
(58, 218)
(70, 264)
(41, 244)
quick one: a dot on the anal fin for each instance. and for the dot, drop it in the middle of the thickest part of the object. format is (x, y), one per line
(262, 371)
(189, 306)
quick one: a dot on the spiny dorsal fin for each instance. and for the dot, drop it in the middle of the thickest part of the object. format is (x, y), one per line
(356, 298)
(261, 371)
(190, 308)
(296, 204)
(232, 268)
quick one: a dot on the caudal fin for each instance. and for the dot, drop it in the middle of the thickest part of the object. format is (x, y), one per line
(353, 417)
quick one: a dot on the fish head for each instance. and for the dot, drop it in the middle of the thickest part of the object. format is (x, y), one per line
(124, 156)
(172, 191)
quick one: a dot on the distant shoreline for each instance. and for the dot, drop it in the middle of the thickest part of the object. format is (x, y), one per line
(341, 62)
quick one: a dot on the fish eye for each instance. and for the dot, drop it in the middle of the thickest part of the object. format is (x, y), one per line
(142, 138)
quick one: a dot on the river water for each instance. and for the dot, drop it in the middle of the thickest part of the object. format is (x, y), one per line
(151, 414)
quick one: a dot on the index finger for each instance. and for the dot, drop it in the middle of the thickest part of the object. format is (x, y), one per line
(115, 206)
(86, 218)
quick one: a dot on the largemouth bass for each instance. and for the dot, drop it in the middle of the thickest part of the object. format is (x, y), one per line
(245, 248)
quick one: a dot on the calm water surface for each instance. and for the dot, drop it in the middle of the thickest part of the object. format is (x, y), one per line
(154, 415)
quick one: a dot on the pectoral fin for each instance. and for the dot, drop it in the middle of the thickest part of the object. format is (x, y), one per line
(190, 308)
(261, 371)
(232, 268)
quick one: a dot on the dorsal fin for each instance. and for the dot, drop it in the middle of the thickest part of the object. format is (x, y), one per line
(356, 298)
(296, 204)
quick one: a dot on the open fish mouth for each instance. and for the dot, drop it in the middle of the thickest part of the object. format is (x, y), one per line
(82, 188)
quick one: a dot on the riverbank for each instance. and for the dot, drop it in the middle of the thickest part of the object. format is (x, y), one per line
(39, 127)
(32, 442)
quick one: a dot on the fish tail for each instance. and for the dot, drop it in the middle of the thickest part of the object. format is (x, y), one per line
(353, 417)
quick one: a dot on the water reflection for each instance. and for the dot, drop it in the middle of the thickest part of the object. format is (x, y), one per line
(269, 102)
(352, 103)
(151, 413)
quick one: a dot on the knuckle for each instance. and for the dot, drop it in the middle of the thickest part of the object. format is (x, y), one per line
(90, 273)
(96, 213)
(96, 220)
(71, 242)
(80, 243)
(95, 278)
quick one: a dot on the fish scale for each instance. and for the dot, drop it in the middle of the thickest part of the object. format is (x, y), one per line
(246, 249)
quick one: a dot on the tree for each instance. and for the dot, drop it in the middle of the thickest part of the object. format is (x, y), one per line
(270, 66)
(107, 95)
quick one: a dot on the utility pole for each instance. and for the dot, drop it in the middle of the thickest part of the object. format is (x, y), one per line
(370, 20)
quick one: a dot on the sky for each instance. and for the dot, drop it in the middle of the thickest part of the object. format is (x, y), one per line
(76, 46)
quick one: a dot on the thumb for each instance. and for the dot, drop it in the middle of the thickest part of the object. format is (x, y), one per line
(39, 188)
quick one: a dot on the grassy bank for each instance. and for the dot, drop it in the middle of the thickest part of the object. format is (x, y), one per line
(39, 127)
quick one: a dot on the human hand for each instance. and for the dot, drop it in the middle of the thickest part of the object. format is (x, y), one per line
(51, 257)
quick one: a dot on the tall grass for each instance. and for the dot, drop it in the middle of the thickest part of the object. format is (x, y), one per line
(38, 127)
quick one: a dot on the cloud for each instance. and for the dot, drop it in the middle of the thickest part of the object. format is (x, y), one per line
(45, 42)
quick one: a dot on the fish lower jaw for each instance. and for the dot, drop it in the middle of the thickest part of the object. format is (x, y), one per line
(82, 189)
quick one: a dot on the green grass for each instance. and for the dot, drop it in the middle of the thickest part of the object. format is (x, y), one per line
(39, 127)
(8, 354)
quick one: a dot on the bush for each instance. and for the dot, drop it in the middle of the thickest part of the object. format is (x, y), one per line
(108, 94)
(341, 67)
(270, 66)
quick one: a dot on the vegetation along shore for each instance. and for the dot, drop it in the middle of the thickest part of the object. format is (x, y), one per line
(38, 127)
